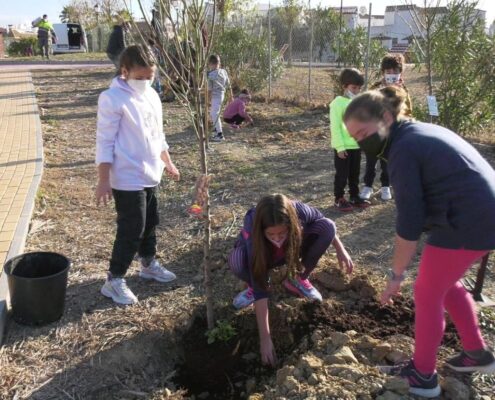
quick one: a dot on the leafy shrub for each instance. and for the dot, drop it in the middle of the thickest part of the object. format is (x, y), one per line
(18, 48)
(224, 331)
(246, 57)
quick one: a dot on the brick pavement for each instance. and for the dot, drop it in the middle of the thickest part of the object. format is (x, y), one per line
(21, 154)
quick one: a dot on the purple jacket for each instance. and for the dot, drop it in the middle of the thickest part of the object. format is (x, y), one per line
(306, 214)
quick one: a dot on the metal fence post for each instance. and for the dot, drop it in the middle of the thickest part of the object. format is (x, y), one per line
(311, 38)
(367, 59)
(269, 51)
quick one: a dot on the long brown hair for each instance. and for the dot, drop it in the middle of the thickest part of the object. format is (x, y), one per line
(272, 210)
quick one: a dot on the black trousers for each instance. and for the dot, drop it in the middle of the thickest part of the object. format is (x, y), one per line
(137, 218)
(370, 173)
(347, 172)
(236, 119)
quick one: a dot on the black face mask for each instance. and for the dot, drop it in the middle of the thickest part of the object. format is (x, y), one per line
(373, 145)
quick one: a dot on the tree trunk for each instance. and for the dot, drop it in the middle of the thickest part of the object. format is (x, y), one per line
(290, 47)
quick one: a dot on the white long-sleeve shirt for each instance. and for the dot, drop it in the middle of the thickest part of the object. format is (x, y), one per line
(130, 136)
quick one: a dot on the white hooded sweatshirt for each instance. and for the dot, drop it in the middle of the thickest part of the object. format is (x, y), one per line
(130, 136)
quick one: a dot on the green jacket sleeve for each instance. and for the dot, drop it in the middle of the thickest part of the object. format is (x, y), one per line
(336, 126)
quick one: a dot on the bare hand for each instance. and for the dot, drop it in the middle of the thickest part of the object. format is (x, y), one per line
(172, 171)
(103, 193)
(268, 356)
(342, 154)
(392, 289)
(345, 261)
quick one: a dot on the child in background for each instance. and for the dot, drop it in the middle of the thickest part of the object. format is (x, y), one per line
(391, 68)
(347, 155)
(235, 112)
(218, 82)
(131, 153)
(281, 231)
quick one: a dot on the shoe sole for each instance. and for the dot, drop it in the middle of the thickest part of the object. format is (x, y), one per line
(428, 393)
(344, 209)
(485, 369)
(105, 292)
(156, 278)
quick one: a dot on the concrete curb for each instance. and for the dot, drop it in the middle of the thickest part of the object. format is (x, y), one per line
(20, 235)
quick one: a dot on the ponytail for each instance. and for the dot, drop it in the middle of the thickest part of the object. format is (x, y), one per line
(373, 104)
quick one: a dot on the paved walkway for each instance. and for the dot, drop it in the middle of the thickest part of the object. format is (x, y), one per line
(21, 154)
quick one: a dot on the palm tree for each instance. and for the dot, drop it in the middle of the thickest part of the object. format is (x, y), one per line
(69, 14)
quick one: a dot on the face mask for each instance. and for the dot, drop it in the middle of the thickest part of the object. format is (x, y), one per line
(278, 244)
(392, 78)
(139, 85)
(349, 94)
(373, 145)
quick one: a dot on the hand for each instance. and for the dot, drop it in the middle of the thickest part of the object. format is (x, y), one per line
(345, 261)
(172, 171)
(342, 154)
(392, 289)
(268, 356)
(103, 192)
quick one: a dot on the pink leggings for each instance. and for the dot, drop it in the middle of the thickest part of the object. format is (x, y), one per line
(438, 288)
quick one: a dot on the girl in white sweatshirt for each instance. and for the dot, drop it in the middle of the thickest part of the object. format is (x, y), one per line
(131, 154)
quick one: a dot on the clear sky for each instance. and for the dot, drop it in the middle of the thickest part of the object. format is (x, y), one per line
(23, 11)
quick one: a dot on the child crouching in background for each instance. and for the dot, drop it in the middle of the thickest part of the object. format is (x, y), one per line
(235, 113)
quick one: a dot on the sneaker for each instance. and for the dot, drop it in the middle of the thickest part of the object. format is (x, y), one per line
(464, 363)
(218, 138)
(419, 384)
(386, 194)
(156, 271)
(366, 193)
(343, 205)
(302, 288)
(358, 202)
(244, 299)
(235, 126)
(117, 290)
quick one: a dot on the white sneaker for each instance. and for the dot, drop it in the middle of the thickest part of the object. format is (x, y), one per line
(157, 272)
(366, 193)
(386, 193)
(117, 290)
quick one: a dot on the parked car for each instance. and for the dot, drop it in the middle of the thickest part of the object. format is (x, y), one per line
(71, 38)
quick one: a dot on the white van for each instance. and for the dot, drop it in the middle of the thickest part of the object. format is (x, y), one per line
(71, 38)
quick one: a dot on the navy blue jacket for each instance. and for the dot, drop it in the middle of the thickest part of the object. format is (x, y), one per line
(442, 185)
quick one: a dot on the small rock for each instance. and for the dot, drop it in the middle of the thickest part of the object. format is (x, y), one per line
(310, 362)
(279, 136)
(167, 392)
(396, 356)
(347, 372)
(256, 396)
(313, 380)
(250, 356)
(390, 396)
(297, 373)
(397, 385)
(250, 385)
(339, 339)
(381, 351)
(455, 389)
(342, 356)
(290, 383)
(283, 373)
(367, 342)
(197, 278)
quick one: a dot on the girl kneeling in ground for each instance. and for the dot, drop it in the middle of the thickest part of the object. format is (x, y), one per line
(281, 231)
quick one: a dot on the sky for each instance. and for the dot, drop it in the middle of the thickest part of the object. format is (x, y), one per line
(24, 11)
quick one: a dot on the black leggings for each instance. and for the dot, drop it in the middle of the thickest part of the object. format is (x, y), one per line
(236, 119)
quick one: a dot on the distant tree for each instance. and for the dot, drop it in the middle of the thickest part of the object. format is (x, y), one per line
(326, 29)
(290, 13)
(69, 14)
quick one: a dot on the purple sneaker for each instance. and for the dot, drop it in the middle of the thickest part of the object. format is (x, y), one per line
(302, 288)
(244, 299)
(464, 363)
(419, 384)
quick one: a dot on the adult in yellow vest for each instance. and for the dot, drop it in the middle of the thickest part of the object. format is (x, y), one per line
(46, 35)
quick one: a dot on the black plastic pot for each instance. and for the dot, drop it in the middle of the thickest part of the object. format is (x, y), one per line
(37, 284)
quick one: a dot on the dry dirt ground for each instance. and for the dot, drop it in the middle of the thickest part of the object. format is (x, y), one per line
(101, 351)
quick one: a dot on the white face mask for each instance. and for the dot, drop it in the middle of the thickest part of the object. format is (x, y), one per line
(278, 244)
(139, 85)
(349, 94)
(392, 78)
